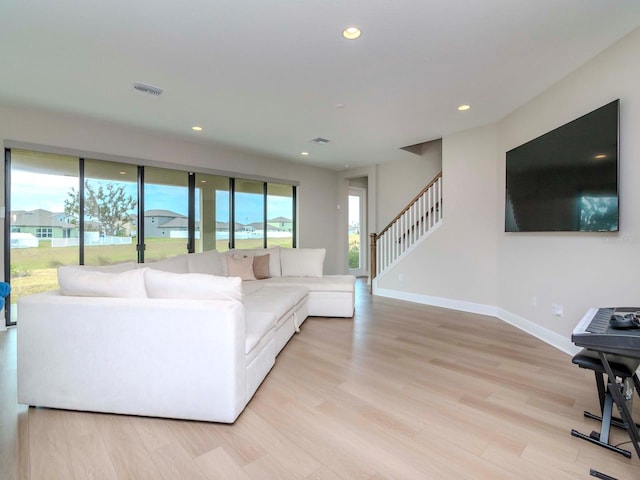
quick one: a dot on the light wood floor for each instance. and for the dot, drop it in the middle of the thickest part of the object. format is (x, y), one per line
(402, 391)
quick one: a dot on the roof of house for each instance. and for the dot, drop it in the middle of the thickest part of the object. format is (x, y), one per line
(178, 222)
(163, 213)
(279, 220)
(260, 226)
(38, 218)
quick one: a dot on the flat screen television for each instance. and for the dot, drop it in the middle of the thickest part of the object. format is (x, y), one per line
(567, 179)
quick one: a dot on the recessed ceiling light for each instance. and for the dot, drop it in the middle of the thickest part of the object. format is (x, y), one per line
(351, 33)
(600, 156)
(196, 128)
(304, 153)
(462, 108)
(340, 105)
(203, 181)
(123, 173)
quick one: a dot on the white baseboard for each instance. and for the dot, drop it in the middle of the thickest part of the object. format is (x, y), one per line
(547, 336)
(460, 305)
(552, 338)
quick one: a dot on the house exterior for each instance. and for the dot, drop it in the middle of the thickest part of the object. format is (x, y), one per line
(42, 224)
(161, 223)
(280, 224)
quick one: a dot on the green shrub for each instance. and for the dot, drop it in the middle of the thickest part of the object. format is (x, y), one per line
(17, 272)
(354, 257)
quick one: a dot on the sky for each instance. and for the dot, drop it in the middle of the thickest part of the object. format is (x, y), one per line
(354, 210)
(30, 191)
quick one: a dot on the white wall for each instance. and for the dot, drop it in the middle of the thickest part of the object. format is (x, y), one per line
(458, 261)
(577, 270)
(470, 263)
(390, 187)
(317, 192)
(399, 181)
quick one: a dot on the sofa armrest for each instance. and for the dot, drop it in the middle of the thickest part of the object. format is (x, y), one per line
(155, 357)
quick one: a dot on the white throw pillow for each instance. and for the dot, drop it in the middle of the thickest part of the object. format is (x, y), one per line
(177, 264)
(195, 286)
(240, 267)
(302, 262)
(205, 262)
(81, 282)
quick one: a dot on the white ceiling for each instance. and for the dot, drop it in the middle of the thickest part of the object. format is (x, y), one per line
(266, 75)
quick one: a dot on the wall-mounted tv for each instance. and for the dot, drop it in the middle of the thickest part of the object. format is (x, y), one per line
(567, 179)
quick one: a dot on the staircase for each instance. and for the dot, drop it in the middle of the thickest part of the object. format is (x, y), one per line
(412, 225)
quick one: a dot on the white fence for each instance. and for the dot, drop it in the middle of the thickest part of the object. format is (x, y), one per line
(91, 239)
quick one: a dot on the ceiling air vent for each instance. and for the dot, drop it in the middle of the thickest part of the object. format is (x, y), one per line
(150, 89)
(320, 140)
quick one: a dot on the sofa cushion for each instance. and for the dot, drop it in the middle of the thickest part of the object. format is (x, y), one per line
(82, 282)
(206, 262)
(195, 286)
(250, 287)
(177, 264)
(302, 262)
(257, 325)
(327, 283)
(240, 267)
(275, 300)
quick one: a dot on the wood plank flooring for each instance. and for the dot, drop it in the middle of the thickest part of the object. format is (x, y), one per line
(401, 391)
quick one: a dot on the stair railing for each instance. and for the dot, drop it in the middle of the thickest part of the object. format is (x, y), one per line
(414, 221)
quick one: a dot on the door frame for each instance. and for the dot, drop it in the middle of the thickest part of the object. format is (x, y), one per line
(362, 194)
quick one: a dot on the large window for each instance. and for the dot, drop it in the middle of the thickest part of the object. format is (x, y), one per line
(110, 212)
(280, 215)
(248, 209)
(42, 235)
(166, 213)
(66, 210)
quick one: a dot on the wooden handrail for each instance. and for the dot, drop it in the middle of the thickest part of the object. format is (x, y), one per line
(375, 236)
(415, 199)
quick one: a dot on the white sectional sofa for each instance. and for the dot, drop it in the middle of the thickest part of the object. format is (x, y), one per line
(177, 338)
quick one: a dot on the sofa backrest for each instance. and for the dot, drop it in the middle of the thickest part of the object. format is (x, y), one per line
(147, 283)
(121, 280)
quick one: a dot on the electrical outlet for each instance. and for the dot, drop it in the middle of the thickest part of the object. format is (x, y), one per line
(534, 301)
(557, 310)
(401, 277)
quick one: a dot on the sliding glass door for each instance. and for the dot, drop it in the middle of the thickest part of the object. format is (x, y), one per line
(43, 232)
(249, 214)
(280, 215)
(110, 212)
(166, 209)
